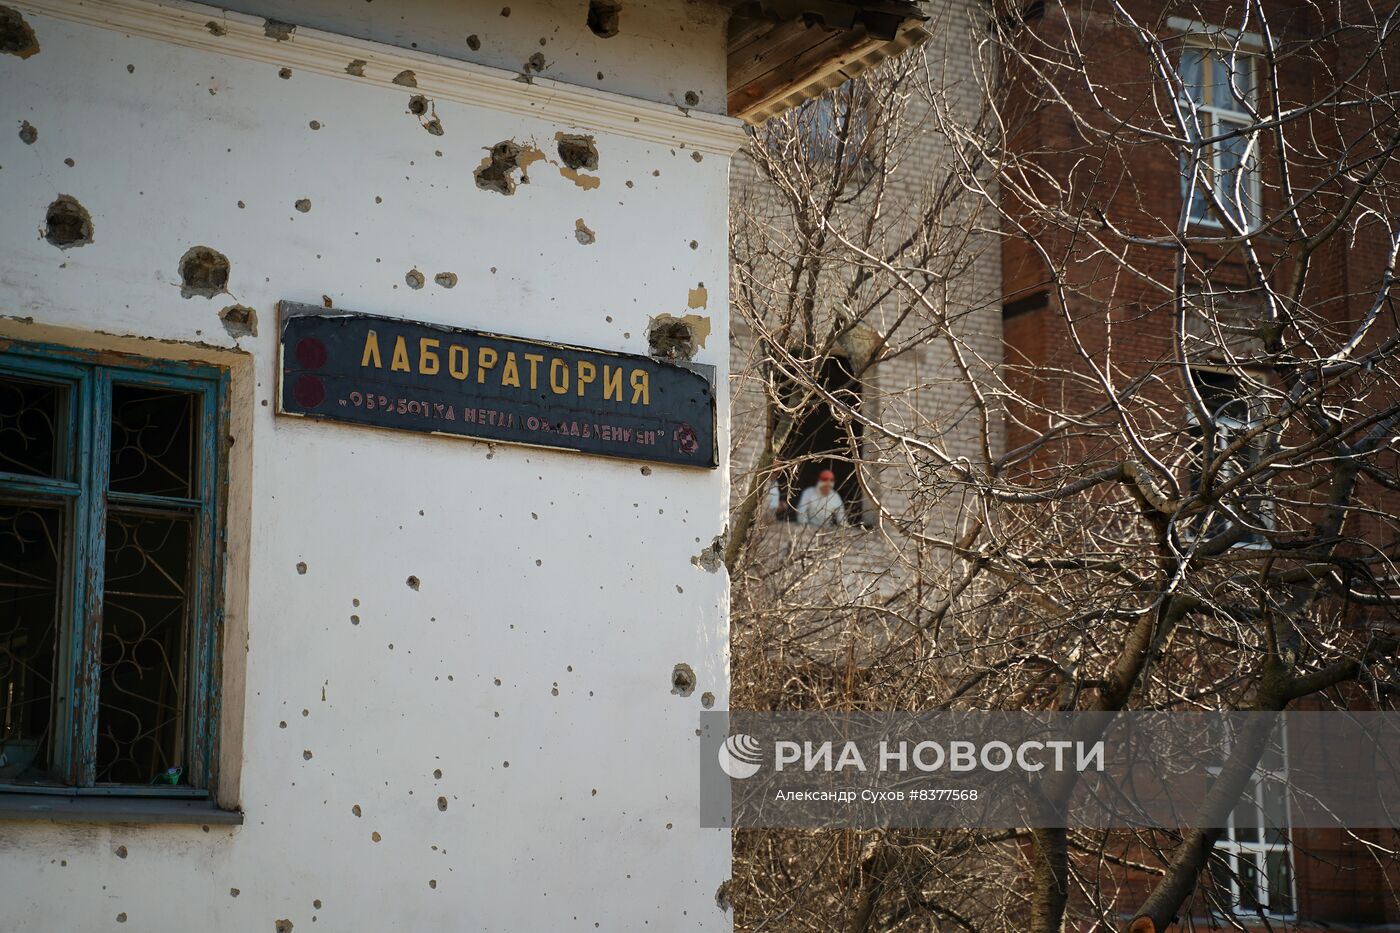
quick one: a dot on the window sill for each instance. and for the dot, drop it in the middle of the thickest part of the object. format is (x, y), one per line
(152, 810)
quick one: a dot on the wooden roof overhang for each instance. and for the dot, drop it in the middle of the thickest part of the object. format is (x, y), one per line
(782, 52)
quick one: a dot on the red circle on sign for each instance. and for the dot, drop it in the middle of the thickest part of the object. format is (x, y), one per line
(308, 391)
(686, 439)
(311, 353)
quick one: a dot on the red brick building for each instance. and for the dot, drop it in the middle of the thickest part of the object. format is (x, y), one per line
(1208, 189)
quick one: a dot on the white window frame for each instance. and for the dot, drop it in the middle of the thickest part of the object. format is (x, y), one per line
(1259, 849)
(1227, 429)
(1212, 45)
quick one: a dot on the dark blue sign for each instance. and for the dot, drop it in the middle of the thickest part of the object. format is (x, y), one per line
(388, 373)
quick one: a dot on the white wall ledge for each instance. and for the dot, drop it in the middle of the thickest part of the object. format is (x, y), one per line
(222, 32)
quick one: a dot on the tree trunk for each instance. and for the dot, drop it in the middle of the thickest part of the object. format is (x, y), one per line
(1049, 880)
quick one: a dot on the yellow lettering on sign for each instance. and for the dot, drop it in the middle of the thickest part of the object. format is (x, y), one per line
(587, 373)
(428, 363)
(535, 359)
(485, 359)
(371, 351)
(558, 377)
(510, 373)
(612, 382)
(399, 363)
(641, 387)
(457, 359)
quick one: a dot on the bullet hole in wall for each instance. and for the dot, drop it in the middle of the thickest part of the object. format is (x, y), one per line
(27, 133)
(16, 36)
(203, 271)
(67, 223)
(722, 896)
(578, 151)
(474, 42)
(707, 700)
(442, 803)
(496, 172)
(415, 281)
(406, 78)
(583, 233)
(216, 28)
(446, 279)
(283, 926)
(682, 680)
(239, 321)
(418, 105)
(276, 29)
(284, 73)
(120, 851)
(413, 582)
(670, 338)
(303, 205)
(356, 67)
(712, 557)
(534, 64)
(603, 17)
(692, 99)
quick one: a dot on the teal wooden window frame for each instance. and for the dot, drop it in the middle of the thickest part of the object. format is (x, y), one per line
(81, 489)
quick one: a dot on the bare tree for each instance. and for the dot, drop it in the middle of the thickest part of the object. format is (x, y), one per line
(1175, 488)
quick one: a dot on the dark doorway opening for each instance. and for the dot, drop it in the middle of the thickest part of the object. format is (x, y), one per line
(819, 441)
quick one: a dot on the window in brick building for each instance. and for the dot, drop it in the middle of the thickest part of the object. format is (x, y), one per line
(1233, 446)
(1219, 89)
(835, 127)
(819, 442)
(1252, 866)
(109, 572)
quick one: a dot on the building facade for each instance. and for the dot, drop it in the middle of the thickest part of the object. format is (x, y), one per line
(280, 645)
(1181, 262)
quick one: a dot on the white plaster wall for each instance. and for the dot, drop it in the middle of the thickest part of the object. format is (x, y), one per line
(663, 49)
(557, 590)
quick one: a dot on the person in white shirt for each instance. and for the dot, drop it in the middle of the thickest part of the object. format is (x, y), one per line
(821, 504)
